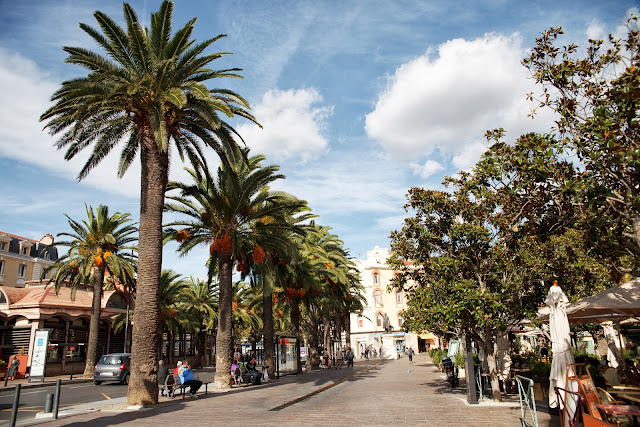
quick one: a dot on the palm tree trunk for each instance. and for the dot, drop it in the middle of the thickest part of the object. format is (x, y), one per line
(295, 330)
(312, 350)
(222, 378)
(338, 322)
(347, 328)
(326, 325)
(143, 384)
(267, 327)
(94, 323)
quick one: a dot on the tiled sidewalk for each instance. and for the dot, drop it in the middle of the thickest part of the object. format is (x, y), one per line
(372, 393)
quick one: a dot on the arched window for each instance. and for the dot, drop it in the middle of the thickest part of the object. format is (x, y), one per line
(379, 320)
(399, 298)
(377, 297)
(376, 278)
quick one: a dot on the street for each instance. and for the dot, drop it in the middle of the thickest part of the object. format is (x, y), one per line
(32, 400)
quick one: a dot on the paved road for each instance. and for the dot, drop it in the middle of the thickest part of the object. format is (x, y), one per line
(32, 400)
(372, 393)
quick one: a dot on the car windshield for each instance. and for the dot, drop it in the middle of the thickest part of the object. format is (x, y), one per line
(111, 360)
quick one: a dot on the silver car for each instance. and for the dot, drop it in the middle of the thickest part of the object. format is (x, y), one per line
(112, 367)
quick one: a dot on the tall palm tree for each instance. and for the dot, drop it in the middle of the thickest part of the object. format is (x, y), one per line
(99, 244)
(241, 220)
(149, 94)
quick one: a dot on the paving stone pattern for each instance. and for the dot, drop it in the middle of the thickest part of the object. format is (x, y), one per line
(373, 393)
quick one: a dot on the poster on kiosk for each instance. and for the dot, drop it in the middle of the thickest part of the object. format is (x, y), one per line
(39, 357)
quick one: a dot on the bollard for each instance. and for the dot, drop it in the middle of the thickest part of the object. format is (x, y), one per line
(14, 409)
(56, 400)
(48, 403)
(6, 377)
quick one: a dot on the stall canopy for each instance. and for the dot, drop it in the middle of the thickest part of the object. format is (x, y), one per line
(615, 303)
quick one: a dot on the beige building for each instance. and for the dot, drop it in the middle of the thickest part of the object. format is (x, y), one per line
(380, 322)
(23, 259)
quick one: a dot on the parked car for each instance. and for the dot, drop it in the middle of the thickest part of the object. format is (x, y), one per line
(112, 367)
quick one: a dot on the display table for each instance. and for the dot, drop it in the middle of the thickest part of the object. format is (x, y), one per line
(627, 410)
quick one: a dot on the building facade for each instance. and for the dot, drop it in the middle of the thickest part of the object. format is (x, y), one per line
(23, 259)
(380, 323)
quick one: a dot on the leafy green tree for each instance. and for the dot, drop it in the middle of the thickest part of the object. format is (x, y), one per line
(149, 94)
(594, 91)
(481, 256)
(100, 244)
(241, 220)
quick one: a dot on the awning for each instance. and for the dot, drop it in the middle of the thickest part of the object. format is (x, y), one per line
(427, 336)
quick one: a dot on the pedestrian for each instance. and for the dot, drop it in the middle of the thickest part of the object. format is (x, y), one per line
(366, 353)
(175, 371)
(350, 357)
(410, 353)
(13, 368)
(162, 375)
(375, 353)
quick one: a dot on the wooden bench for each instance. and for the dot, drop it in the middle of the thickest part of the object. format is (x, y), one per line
(172, 384)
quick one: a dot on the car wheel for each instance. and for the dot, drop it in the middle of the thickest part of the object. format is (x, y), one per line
(125, 380)
(97, 382)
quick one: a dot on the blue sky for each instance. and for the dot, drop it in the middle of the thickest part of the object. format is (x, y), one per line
(359, 100)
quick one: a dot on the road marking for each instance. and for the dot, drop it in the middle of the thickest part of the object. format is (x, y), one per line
(105, 396)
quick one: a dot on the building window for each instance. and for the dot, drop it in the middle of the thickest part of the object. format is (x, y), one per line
(376, 278)
(377, 297)
(399, 298)
(1, 267)
(360, 322)
(400, 320)
(22, 270)
(3, 246)
(379, 320)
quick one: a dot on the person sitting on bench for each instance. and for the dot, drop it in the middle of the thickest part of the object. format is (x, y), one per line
(252, 371)
(186, 377)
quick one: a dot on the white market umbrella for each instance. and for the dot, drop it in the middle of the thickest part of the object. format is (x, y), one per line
(557, 302)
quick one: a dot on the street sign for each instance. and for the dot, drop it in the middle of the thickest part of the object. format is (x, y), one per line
(39, 357)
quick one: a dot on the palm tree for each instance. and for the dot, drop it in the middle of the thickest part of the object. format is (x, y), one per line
(97, 245)
(148, 92)
(240, 219)
(201, 299)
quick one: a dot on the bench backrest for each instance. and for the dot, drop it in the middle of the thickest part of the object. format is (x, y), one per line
(176, 379)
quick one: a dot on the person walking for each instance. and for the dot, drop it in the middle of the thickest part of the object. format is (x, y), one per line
(13, 368)
(410, 353)
(350, 357)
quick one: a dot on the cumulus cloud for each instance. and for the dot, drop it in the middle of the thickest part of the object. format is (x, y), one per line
(595, 30)
(293, 125)
(26, 90)
(430, 167)
(449, 101)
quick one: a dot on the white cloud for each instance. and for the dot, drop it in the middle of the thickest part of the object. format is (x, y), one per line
(27, 89)
(430, 167)
(595, 30)
(466, 159)
(293, 125)
(448, 103)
